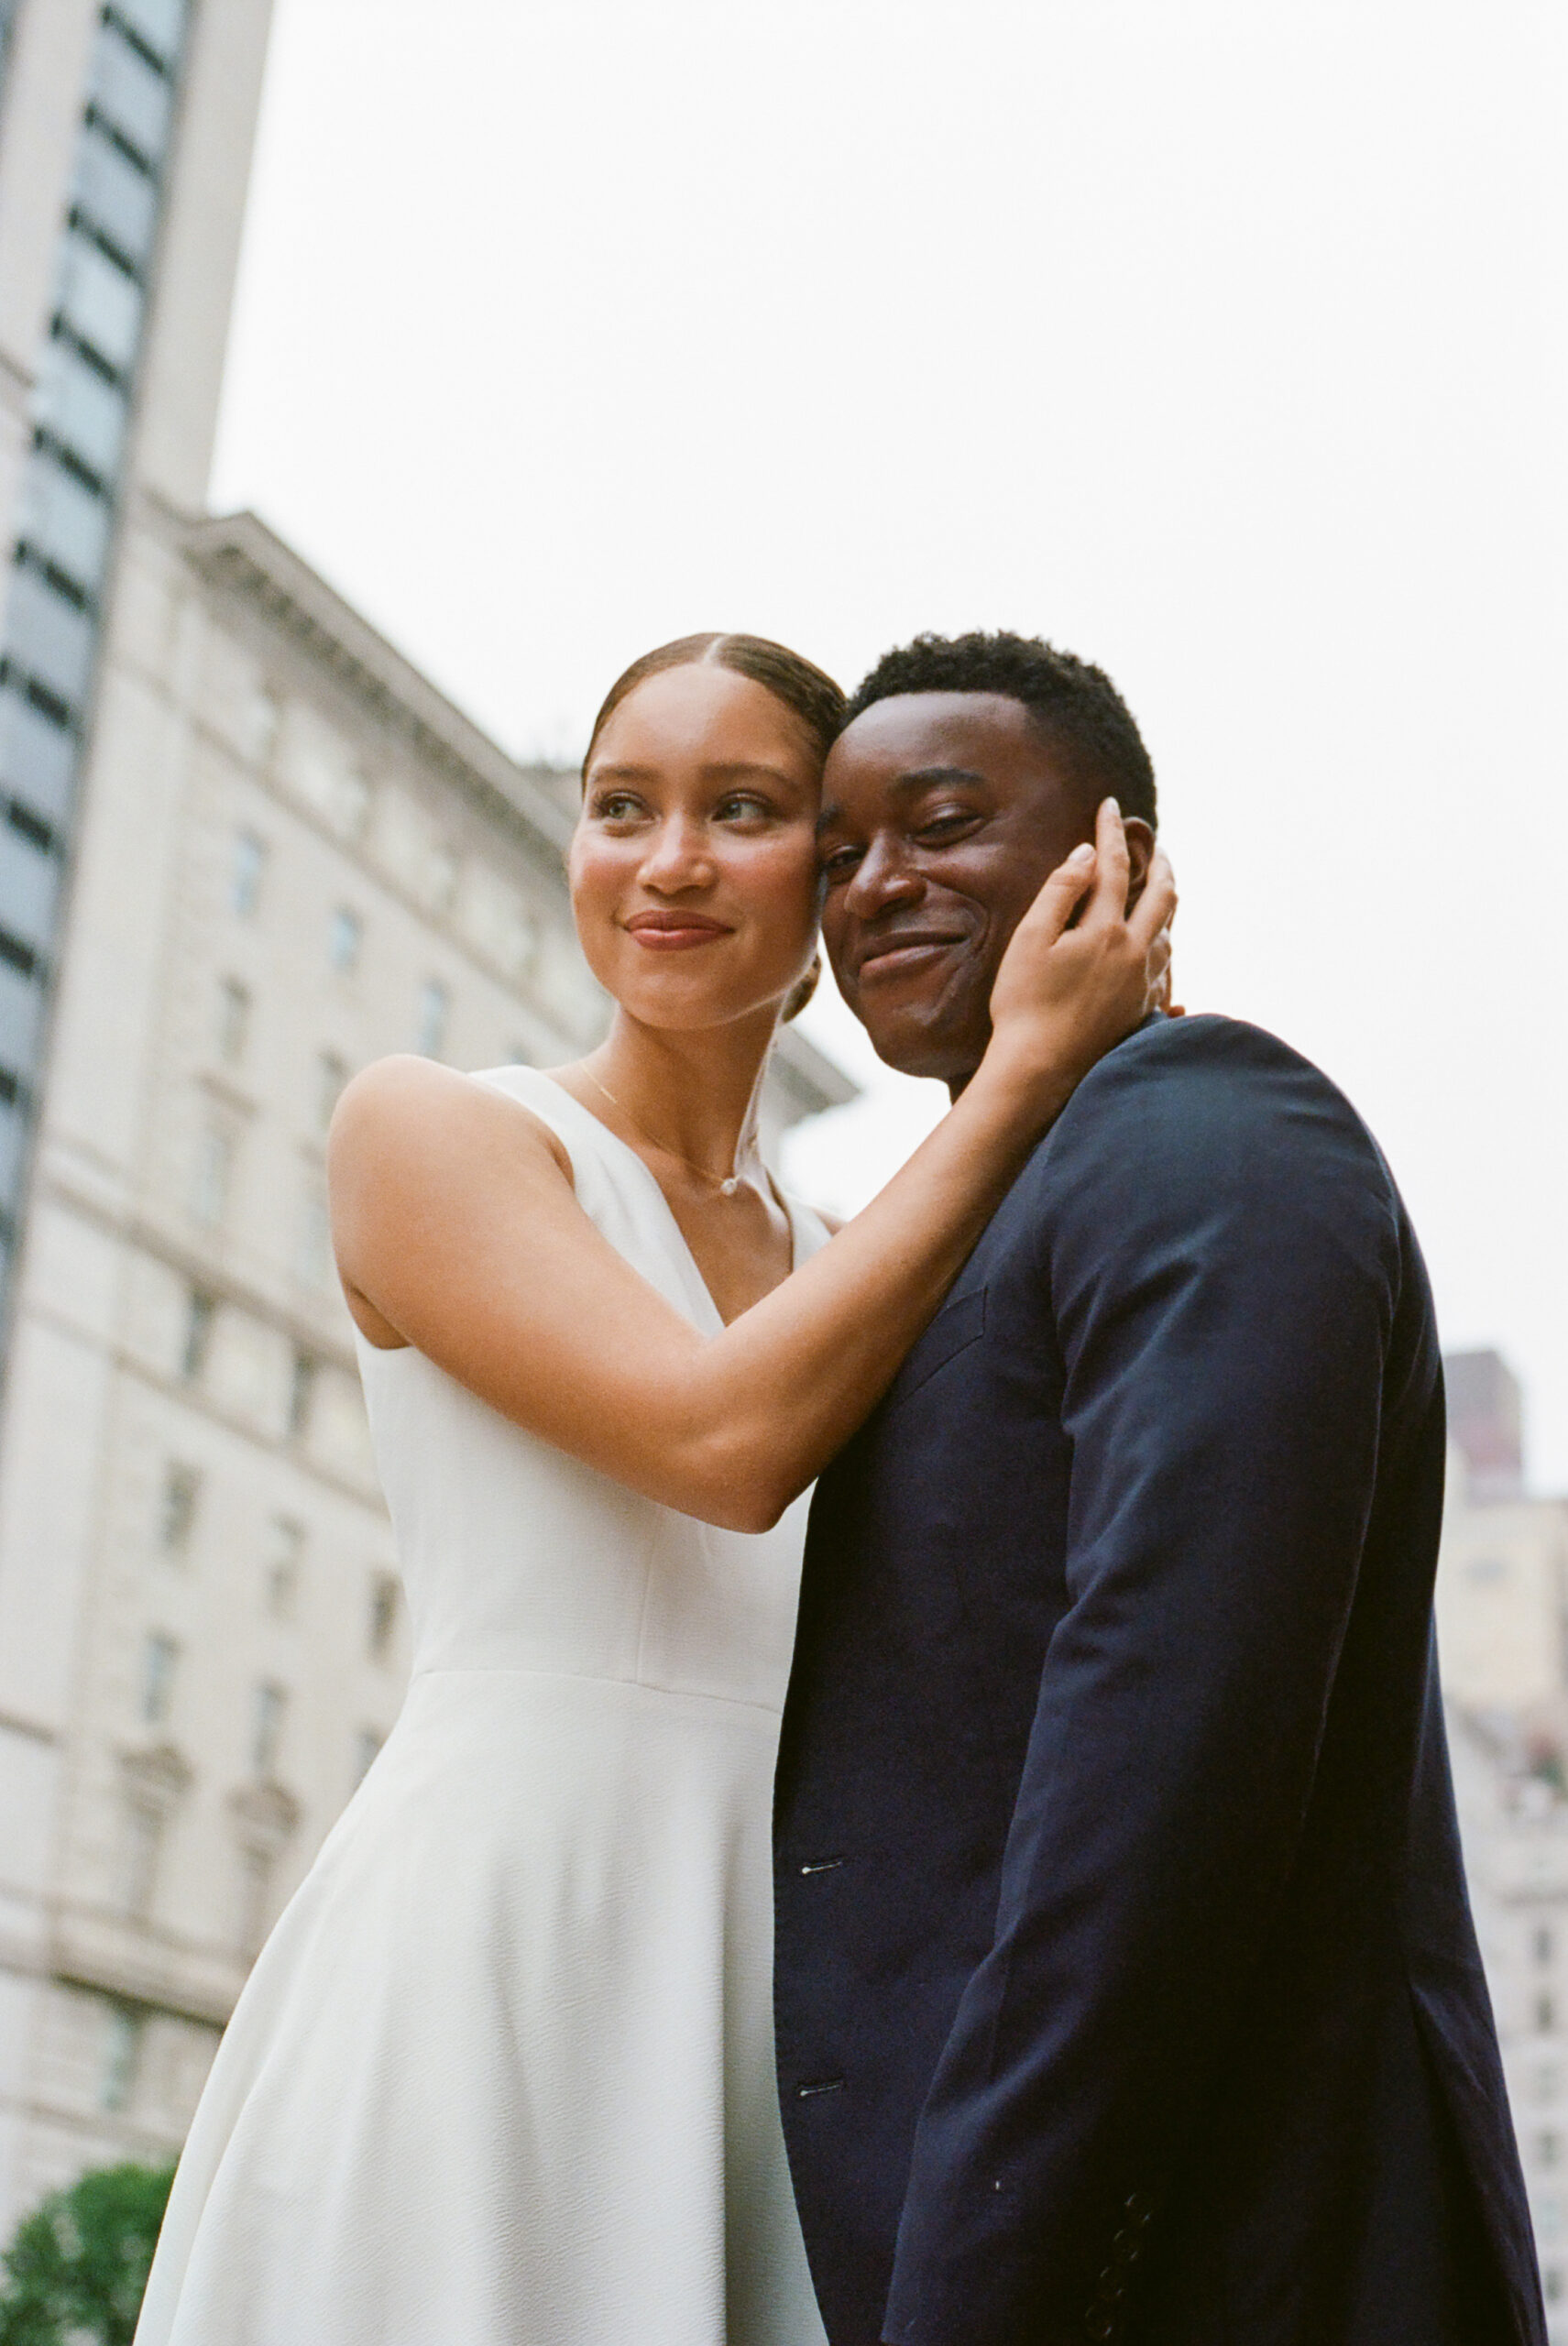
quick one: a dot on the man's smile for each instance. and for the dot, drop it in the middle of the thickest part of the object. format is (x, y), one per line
(892, 952)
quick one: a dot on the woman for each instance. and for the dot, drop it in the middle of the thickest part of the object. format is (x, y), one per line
(503, 2074)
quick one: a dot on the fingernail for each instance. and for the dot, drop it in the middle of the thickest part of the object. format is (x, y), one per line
(1084, 854)
(1115, 807)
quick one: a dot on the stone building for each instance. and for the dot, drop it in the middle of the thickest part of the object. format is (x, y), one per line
(1502, 1588)
(1502, 1614)
(246, 848)
(1514, 1818)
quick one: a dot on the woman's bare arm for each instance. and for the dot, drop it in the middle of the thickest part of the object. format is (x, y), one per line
(454, 1221)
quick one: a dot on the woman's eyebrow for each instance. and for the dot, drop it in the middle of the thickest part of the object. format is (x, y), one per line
(726, 770)
(748, 769)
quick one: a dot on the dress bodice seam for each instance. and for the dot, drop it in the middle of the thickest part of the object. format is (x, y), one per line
(591, 1678)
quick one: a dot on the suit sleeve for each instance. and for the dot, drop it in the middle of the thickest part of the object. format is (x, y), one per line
(1220, 1252)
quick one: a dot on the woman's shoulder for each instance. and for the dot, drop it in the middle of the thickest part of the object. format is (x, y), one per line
(406, 1109)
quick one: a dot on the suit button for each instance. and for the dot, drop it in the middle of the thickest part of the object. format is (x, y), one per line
(1139, 2206)
(1126, 2248)
(1101, 2325)
(1112, 2286)
(822, 1865)
(816, 2085)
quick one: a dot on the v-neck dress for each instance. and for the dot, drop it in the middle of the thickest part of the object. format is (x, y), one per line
(503, 2074)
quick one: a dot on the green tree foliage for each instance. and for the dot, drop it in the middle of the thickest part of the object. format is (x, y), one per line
(76, 2270)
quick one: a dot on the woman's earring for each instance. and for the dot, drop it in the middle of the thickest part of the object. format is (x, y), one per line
(804, 989)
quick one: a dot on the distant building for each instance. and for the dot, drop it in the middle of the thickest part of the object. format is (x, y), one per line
(1502, 1590)
(1514, 1818)
(1485, 1423)
(244, 847)
(1502, 1616)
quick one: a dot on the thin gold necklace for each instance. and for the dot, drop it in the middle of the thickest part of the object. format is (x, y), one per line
(727, 1184)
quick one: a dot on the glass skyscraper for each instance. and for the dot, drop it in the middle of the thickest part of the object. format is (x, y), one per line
(64, 524)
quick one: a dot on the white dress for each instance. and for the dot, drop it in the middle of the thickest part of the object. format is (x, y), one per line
(503, 2074)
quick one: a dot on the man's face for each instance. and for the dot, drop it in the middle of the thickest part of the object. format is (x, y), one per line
(942, 813)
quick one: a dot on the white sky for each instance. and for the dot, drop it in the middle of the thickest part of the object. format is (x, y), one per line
(1224, 343)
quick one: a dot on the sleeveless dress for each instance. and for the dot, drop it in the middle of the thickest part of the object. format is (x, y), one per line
(503, 2074)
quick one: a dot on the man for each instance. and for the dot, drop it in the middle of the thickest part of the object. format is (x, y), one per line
(1127, 1982)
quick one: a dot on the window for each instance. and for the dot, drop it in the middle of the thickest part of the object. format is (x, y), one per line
(142, 1848)
(233, 1021)
(65, 520)
(100, 303)
(383, 1619)
(367, 1745)
(256, 1868)
(352, 802)
(1545, 2013)
(301, 1393)
(161, 1659)
(521, 945)
(182, 1486)
(80, 411)
(313, 1258)
(1551, 2285)
(121, 2058)
(210, 1184)
(268, 1707)
(1548, 2149)
(281, 1584)
(120, 201)
(435, 1004)
(199, 1312)
(331, 1077)
(1546, 2082)
(345, 934)
(247, 873)
(259, 721)
(443, 878)
(1542, 1940)
(129, 93)
(158, 23)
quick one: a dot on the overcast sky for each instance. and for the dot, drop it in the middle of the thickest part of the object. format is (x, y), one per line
(1223, 343)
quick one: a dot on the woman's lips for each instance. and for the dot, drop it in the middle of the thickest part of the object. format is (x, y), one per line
(675, 936)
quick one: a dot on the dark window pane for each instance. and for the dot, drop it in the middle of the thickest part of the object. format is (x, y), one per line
(113, 193)
(28, 887)
(100, 303)
(126, 89)
(37, 760)
(47, 637)
(65, 520)
(13, 1151)
(159, 23)
(21, 1007)
(77, 407)
(250, 868)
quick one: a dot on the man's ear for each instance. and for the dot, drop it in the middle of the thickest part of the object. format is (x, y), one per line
(1140, 855)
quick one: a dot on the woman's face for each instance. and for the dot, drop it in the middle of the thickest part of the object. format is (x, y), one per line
(694, 864)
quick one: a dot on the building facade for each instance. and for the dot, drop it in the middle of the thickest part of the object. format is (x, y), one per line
(1514, 1818)
(246, 847)
(1502, 1586)
(1502, 1617)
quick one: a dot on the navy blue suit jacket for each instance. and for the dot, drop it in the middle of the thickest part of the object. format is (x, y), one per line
(1126, 1986)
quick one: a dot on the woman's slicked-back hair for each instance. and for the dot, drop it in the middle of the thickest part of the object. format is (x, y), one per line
(814, 697)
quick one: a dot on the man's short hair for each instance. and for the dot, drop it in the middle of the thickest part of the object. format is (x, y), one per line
(1076, 707)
